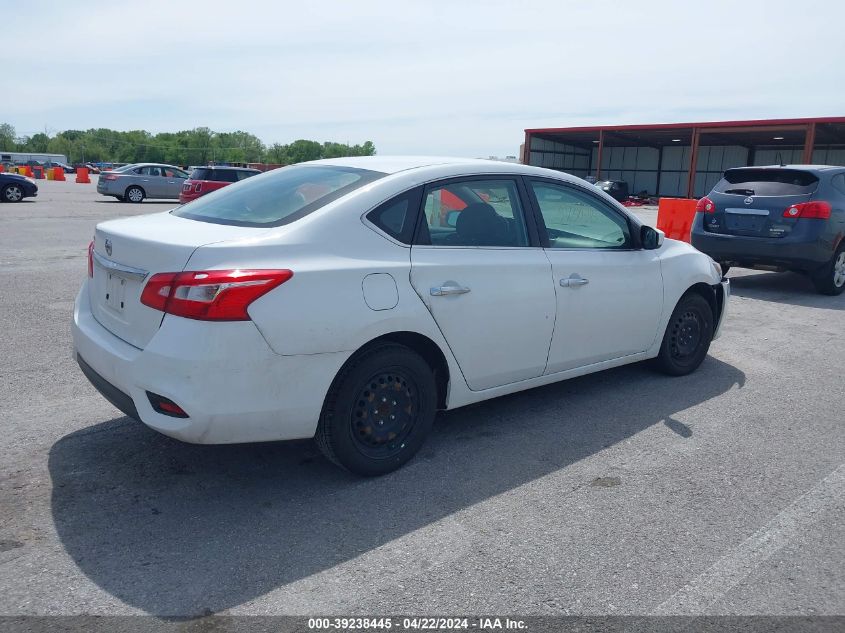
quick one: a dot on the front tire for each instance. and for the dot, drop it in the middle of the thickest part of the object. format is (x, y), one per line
(379, 411)
(134, 195)
(830, 278)
(13, 193)
(687, 338)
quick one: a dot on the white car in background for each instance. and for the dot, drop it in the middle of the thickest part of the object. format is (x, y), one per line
(350, 299)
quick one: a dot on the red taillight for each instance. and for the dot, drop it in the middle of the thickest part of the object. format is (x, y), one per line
(819, 210)
(705, 205)
(109, 177)
(91, 259)
(211, 295)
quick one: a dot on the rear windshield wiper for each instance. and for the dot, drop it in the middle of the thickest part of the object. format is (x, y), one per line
(744, 192)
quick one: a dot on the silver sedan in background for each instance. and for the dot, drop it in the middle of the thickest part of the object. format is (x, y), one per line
(133, 183)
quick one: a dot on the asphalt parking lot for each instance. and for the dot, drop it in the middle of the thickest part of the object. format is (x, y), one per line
(624, 492)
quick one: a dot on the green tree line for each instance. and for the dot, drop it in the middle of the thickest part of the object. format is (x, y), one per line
(188, 147)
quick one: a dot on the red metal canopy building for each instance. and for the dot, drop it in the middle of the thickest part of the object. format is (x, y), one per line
(684, 159)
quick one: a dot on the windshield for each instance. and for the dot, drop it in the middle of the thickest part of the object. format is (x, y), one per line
(277, 197)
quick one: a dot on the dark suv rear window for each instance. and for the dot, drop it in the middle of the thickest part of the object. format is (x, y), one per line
(217, 175)
(767, 182)
(278, 197)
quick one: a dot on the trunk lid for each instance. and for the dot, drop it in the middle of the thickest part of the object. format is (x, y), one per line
(127, 252)
(751, 201)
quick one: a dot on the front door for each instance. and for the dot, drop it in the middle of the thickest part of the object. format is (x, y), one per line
(173, 181)
(609, 291)
(488, 288)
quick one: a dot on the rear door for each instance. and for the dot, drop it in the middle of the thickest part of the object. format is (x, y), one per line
(151, 180)
(478, 267)
(609, 292)
(751, 201)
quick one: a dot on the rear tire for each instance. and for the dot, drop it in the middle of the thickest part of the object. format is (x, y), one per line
(379, 411)
(687, 337)
(134, 194)
(830, 278)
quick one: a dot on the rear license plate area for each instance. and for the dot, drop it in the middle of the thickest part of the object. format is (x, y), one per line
(747, 220)
(115, 291)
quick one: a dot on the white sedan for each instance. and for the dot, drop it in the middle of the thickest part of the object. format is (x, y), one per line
(350, 299)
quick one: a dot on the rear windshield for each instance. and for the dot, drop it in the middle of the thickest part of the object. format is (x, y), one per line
(767, 182)
(278, 197)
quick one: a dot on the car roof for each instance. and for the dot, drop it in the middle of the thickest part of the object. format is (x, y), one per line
(225, 167)
(810, 168)
(394, 164)
(150, 165)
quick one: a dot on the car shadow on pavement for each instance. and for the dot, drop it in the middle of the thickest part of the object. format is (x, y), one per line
(182, 530)
(791, 288)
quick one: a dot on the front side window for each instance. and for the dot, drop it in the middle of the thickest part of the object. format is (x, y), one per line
(575, 219)
(279, 197)
(474, 213)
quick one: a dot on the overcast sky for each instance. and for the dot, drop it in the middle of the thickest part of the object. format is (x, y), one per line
(459, 78)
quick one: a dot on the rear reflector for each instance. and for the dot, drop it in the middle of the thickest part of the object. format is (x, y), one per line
(819, 210)
(705, 205)
(166, 406)
(212, 295)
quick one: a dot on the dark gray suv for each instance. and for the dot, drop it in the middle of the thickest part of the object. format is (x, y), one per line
(789, 217)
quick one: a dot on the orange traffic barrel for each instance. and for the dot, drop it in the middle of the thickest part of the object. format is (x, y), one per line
(58, 173)
(82, 175)
(27, 171)
(38, 172)
(675, 217)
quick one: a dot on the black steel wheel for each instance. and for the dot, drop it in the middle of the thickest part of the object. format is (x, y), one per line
(379, 410)
(687, 337)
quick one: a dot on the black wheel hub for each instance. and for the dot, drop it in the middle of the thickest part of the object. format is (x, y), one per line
(686, 335)
(384, 413)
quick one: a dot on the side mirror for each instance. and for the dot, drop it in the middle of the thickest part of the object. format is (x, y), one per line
(452, 218)
(651, 238)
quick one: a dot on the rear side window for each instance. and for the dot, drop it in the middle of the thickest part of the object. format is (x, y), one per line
(838, 181)
(767, 182)
(201, 173)
(244, 174)
(279, 197)
(476, 212)
(397, 217)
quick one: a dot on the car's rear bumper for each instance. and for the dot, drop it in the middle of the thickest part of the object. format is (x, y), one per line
(233, 387)
(805, 252)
